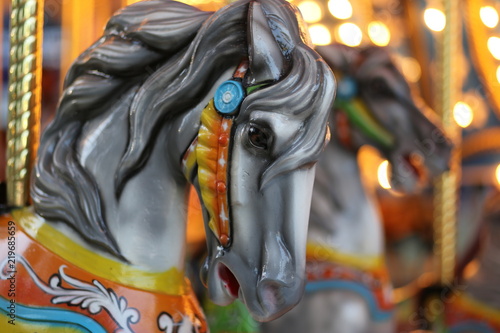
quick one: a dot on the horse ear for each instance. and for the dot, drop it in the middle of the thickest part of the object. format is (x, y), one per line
(265, 55)
(339, 57)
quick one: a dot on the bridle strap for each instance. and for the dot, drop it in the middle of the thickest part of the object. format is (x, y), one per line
(209, 154)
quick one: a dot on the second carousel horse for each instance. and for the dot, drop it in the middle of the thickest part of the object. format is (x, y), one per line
(348, 289)
(234, 102)
(475, 306)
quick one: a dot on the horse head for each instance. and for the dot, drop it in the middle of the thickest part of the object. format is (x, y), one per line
(375, 103)
(235, 102)
(257, 232)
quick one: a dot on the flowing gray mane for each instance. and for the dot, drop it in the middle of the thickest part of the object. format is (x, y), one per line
(162, 56)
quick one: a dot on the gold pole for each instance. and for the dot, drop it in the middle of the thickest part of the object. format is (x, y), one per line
(25, 74)
(446, 186)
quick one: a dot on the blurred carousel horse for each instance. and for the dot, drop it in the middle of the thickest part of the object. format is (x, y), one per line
(172, 96)
(474, 306)
(348, 289)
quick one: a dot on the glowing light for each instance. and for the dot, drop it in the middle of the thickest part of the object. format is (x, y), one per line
(434, 19)
(489, 16)
(379, 33)
(463, 115)
(311, 11)
(383, 175)
(498, 74)
(497, 174)
(320, 35)
(350, 34)
(494, 47)
(341, 9)
(411, 69)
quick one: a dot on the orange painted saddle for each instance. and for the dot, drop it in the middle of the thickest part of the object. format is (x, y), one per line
(51, 284)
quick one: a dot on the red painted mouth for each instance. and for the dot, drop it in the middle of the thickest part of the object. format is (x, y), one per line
(413, 162)
(229, 280)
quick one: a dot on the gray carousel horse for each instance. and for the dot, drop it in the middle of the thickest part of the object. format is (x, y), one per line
(349, 290)
(234, 102)
(474, 306)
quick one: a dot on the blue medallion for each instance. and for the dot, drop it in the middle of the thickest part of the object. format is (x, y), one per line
(228, 97)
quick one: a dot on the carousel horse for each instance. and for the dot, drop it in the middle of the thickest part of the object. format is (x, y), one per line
(348, 287)
(474, 307)
(234, 102)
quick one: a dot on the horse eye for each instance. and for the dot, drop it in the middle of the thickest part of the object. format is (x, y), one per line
(258, 138)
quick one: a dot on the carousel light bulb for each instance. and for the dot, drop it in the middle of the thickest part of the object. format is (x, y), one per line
(350, 34)
(411, 69)
(341, 9)
(434, 19)
(383, 175)
(497, 174)
(494, 47)
(311, 11)
(320, 35)
(463, 115)
(379, 33)
(489, 16)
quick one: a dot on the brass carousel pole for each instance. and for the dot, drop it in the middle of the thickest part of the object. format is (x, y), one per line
(447, 185)
(25, 74)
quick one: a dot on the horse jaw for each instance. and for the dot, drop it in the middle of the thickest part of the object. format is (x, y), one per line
(265, 265)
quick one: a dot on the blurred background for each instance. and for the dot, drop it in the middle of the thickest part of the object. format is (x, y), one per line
(412, 30)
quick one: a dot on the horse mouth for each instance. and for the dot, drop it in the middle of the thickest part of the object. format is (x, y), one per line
(408, 172)
(229, 280)
(414, 165)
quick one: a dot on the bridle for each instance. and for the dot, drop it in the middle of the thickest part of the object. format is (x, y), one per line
(207, 157)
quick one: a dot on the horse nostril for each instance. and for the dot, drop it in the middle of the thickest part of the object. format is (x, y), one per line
(271, 294)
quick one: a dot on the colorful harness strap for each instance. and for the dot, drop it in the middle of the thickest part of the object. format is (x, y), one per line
(357, 113)
(464, 314)
(45, 290)
(209, 151)
(328, 269)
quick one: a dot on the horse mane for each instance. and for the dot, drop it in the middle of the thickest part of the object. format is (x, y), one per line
(166, 54)
(144, 40)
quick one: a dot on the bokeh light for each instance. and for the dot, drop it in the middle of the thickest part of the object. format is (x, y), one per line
(383, 175)
(350, 34)
(489, 16)
(379, 33)
(463, 115)
(311, 11)
(434, 19)
(410, 69)
(494, 46)
(497, 174)
(341, 9)
(320, 35)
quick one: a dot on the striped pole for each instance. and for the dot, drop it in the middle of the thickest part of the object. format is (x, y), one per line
(25, 74)
(447, 185)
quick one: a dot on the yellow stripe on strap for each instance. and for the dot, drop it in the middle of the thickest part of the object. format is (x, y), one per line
(171, 282)
(320, 252)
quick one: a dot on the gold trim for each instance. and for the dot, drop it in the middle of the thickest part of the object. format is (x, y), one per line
(25, 84)
(319, 252)
(170, 282)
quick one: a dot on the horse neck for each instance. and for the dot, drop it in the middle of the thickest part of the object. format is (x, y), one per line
(148, 221)
(343, 215)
